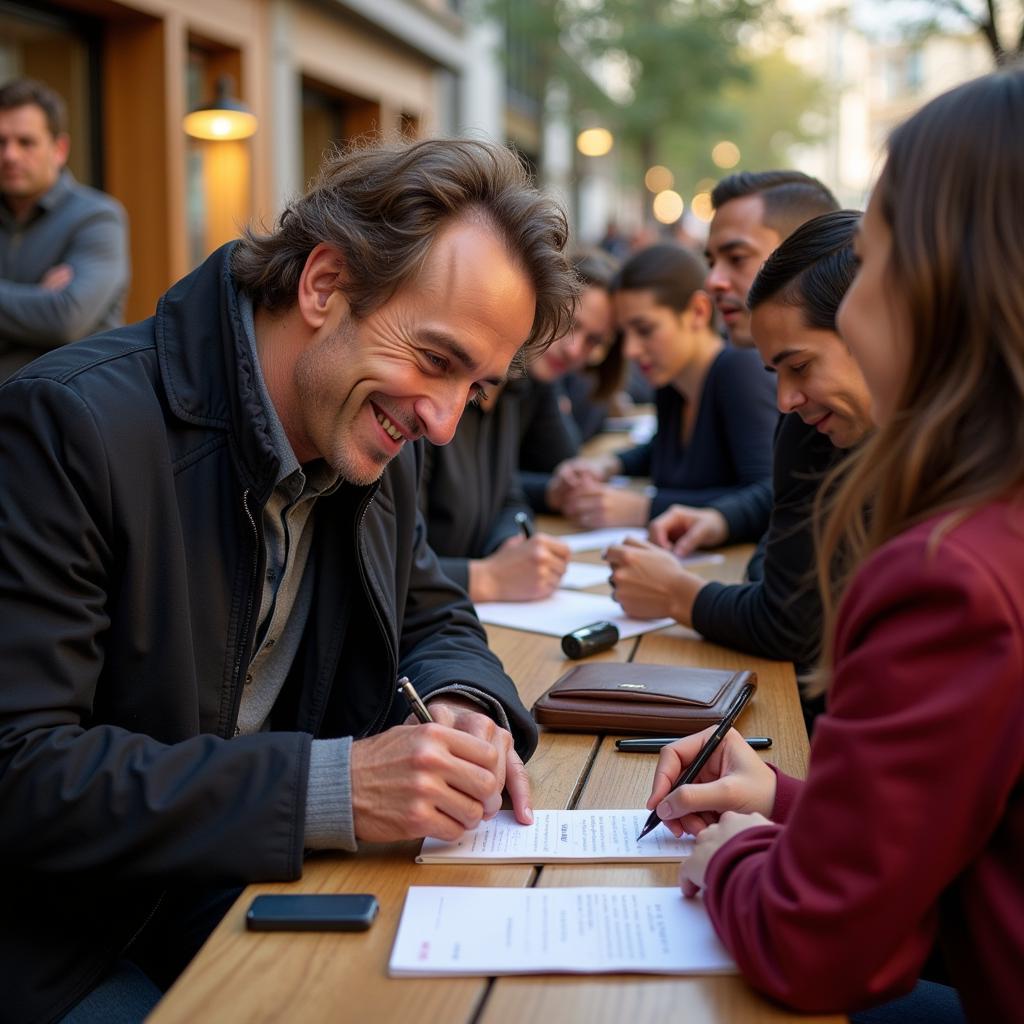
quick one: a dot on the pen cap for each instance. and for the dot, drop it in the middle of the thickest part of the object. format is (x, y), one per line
(592, 639)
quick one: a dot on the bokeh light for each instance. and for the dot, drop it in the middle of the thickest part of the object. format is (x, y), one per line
(668, 206)
(594, 141)
(725, 154)
(658, 178)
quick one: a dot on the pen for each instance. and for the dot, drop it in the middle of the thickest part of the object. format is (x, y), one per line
(522, 520)
(652, 744)
(419, 709)
(710, 746)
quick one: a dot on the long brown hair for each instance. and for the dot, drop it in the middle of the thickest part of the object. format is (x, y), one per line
(956, 438)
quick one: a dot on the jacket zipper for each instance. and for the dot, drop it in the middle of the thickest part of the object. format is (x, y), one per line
(244, 633)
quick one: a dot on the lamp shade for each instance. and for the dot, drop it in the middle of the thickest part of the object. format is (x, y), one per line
(225, 118)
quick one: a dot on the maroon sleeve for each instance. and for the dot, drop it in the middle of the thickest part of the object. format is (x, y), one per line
(837, 908)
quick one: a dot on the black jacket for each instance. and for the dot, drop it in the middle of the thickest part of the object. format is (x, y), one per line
(471, 491)
(729, 454)
(778, 614)
(133, 471)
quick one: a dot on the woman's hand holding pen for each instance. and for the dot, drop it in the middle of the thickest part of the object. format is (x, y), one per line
(734, 779)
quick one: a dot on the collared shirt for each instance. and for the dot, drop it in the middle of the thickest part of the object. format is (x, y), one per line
(72, 224)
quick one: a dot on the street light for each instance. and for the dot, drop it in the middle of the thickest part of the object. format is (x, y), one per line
(668, 207)
(701, 206)
(658, 178)
(225, 118)
(595, 141)
(725, 154)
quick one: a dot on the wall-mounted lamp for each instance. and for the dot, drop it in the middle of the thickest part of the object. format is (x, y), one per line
(225, 118)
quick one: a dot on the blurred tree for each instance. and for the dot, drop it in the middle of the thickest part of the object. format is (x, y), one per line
(642, 66)
(1000, 22)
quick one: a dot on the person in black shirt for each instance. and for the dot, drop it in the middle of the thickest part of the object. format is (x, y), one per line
(825, 400)
(715, 415)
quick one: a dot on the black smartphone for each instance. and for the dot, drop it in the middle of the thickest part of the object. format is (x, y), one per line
(311, 912)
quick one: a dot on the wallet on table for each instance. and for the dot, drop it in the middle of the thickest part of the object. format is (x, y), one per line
(666, 700)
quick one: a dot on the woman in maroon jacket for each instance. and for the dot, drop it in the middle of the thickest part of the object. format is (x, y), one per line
(907, 838)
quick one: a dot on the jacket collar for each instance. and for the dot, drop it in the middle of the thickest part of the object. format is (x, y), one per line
(207, 366)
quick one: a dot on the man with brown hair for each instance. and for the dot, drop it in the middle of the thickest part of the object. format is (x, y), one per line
(63, 246)
(213, 571)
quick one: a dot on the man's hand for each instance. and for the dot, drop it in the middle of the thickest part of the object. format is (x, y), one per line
(57, 277)
(462, 714)
(650, 583)
(682, 529)
(693, 868)
(595, 505)
(439, 779)
(520, 570)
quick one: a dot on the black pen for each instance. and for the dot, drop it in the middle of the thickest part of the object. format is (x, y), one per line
(522, 520)
(710, 746)
(652, 744)
(419, 709)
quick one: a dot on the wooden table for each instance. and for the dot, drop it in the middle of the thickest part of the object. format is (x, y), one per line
(242, 976)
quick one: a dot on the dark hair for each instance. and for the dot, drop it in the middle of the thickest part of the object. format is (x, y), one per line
(383, 206)
(670, 271)
(22, 92)
(789, 197)
(811, 270)
(596, 268)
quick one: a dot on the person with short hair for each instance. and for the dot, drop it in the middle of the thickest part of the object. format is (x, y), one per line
(714, 404)
(213, 571)
(821, 393)
(64, 266)
(905, 843)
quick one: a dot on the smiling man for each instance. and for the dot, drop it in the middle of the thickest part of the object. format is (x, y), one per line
(212, 570)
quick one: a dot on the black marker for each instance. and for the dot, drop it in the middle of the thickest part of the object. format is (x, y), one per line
(652, 744)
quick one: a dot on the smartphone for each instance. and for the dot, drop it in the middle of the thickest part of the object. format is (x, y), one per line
(311, 912)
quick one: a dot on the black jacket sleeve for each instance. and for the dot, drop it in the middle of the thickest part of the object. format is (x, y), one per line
(778, 615)
(77, 759)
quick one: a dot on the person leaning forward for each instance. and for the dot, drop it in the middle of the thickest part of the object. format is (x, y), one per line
(212, 568)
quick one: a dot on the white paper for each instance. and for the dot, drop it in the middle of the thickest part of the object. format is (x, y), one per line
(598, 540)
(580, 575)
(563, 612)
(566, 836)
(447, 930)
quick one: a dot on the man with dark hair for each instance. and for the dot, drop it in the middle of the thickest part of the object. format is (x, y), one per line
(775, 614)
(213, 571)
(754, 212)
(63, 246)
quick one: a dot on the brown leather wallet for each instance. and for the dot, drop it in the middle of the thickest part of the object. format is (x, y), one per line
(666, 700)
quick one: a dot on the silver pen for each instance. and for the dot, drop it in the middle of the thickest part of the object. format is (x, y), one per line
(419, 709)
